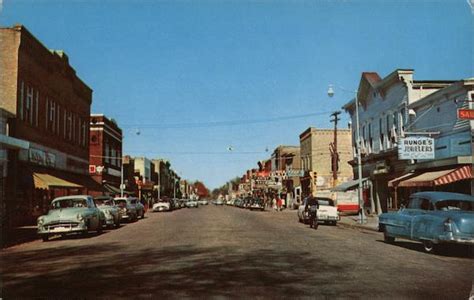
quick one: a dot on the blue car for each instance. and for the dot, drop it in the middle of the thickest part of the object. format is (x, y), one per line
(433, 218)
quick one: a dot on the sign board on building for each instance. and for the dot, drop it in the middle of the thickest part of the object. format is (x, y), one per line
(294, 173)
(42, 158)
(466, 114)
(416, 147)
(92, 169)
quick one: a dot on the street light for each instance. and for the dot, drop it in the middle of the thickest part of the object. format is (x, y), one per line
(358, 148)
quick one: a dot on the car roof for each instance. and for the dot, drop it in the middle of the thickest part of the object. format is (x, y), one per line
(72, 197)
(440, 196)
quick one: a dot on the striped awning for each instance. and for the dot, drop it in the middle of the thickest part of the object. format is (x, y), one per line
(435, 178)
(46, 181)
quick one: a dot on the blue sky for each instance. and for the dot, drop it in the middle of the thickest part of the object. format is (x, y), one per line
(158, 67)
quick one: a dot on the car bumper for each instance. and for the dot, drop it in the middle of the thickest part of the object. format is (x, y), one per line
(457, 239)
(328, 218)
(157, 209)
(62, 229)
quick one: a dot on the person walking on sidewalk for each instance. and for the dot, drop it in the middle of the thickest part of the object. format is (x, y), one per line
(279, 203)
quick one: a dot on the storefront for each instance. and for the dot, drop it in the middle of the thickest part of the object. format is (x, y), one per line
(453, 179)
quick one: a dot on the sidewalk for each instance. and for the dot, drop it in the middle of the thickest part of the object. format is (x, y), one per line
(370, 222)
(18, 235)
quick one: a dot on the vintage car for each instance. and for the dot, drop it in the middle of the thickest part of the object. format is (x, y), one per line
(71, 214)
(112, 213)
(162, 205)
(257, 203)
(327, 212)
(203, 202)
(130, 208)
(192, 203)
(433, 218)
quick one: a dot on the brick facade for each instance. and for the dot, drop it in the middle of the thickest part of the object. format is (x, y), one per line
(105, 150)
(50, 108)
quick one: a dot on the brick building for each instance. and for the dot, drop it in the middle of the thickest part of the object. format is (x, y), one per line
(316, 157)
(105, 156)
(50, 109)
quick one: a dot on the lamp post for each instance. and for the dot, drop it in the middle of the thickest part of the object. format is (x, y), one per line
(358, 148)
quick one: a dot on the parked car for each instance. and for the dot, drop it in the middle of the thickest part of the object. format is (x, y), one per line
(433, 218)
(129, 208)
(112, 213)
(192, 203)
(257, 203)
(162, 205)
(219, 202)
(326, 213)
(71, 214)
(203, 202)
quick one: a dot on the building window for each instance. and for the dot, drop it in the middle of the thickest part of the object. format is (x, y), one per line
(370, 138)
(21, 102)
(65, 124)
(51, 115)
(36, 109)
(106, 159)
(381, 141)
(389, 132)
(57, 119)
(84, 133)
(29, 105)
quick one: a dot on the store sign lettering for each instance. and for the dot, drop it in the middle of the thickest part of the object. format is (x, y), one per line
(42, 158)
(416, 148)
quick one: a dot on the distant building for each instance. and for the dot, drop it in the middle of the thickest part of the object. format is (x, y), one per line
(105, 158)
(286, 164)
(316, 159)
(50, 107)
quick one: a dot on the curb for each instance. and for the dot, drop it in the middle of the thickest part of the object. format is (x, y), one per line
(357, 226)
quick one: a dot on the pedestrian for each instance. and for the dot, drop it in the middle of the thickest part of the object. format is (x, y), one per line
(279, 204)
(274, 203)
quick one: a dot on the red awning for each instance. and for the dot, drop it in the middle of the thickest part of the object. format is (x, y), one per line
(435, 178)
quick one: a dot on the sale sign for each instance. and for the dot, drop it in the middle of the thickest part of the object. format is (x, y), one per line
(466, 114)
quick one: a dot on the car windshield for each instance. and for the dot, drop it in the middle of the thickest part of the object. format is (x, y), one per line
(311, 201)
(103, 202)
(68, 203)
(325, 201)
(121, 202)
(455, 205)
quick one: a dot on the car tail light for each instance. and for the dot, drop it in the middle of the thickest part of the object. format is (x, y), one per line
(448, 225)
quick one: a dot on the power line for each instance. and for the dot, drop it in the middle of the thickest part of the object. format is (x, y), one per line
(223, 123)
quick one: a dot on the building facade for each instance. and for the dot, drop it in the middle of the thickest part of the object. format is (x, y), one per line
(384, 116)
(105, 157)
(436, 116)
(316, 159)
(50, 108)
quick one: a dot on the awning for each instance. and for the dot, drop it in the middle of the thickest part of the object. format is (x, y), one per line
(435, 178)
(394, 182)
(348, 185)
(32, 176)
(46, 181)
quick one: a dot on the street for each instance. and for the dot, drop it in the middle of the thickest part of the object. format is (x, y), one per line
(223, 251)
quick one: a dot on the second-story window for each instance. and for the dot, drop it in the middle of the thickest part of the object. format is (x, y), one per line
(106, 151)
(382, 137)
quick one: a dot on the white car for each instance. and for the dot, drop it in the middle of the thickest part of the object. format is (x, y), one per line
(327, 212)
(203, 202)
(162, 206)
(192, 203)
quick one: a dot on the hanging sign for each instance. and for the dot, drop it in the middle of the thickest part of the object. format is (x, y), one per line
(416, 147)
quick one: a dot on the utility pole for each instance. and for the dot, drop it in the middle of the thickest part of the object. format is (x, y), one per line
(334, 153)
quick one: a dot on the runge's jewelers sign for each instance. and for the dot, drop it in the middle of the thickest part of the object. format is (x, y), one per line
(416, 147)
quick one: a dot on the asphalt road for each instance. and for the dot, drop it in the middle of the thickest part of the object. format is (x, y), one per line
(227, 252)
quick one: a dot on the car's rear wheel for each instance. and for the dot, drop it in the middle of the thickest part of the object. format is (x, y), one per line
(387, 238)
(429, 246)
